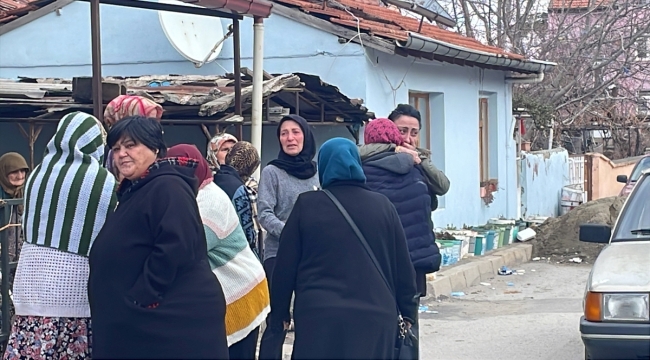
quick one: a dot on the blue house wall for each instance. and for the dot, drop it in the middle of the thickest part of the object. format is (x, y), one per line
(454, 93)
(133, 43)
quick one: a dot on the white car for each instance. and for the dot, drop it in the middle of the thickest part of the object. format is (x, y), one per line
(616, 321)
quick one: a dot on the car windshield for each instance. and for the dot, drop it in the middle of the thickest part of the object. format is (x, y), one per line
(640, 167)
(634, 221)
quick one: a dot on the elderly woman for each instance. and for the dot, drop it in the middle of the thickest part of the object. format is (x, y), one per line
(152, 292)
(229, 180)
(346, 305)
(233, 181)
(244, 158)
(218, 148)
(239, 271)
(67, 199)
(124, 106)
(13, 171)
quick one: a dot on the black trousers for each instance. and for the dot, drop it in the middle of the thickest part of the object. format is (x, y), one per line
(272, 341)
(246, 348)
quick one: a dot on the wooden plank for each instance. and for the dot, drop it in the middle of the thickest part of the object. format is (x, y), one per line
(248, 72)
(327, 26)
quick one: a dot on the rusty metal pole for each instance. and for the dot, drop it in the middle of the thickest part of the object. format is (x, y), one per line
(236, 41)
(95, 36)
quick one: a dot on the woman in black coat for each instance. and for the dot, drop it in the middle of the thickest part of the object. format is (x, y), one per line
(152, 293)
(343, 308)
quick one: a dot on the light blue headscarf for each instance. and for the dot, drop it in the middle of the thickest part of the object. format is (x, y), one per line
(339, 160)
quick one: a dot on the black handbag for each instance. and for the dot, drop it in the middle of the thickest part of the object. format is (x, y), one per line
(405, 336)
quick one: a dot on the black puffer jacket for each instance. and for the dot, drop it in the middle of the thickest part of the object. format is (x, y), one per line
(395, 176)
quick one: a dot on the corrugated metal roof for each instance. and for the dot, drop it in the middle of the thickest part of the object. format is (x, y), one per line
(190, 96)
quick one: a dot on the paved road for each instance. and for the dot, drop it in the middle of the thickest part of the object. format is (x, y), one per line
(534, 318)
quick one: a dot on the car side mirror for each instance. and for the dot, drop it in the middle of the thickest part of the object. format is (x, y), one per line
(595, 233)
(622, 179)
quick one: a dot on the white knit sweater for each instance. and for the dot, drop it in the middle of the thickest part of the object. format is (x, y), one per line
(51, 283)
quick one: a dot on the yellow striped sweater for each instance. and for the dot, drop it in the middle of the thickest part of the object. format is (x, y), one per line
(233, 262)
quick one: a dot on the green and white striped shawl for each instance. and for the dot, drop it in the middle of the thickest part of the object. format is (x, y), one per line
(69, 195)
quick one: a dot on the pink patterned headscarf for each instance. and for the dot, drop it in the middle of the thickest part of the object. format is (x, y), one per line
(382, 131)
(130, 105)
(124, 106)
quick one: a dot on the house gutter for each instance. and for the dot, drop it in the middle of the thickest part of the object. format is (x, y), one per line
(258, 84)
(425, 44)
(537, 78)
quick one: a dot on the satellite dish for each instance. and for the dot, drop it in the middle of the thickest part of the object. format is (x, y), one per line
(198, 38)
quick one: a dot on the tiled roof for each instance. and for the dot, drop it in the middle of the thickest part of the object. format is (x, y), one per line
(12, 9)
(260, 8)
(577, 4)
(387, 22)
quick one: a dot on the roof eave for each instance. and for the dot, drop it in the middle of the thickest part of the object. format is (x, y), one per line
(256, 8)
(425, 44)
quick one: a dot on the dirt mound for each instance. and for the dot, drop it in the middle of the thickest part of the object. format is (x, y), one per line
(558, 237)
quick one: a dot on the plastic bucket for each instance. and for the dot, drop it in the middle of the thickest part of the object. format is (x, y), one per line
(499, 243)
(507, 237)
(489, 240)
(479, 245)
(568, 205)
(472, 246)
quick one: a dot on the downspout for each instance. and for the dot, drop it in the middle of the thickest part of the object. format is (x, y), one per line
(258, 83)
(537, 78)
(550, 134)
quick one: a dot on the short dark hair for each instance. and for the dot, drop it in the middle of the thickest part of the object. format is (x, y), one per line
(143, 130)
(405, 109)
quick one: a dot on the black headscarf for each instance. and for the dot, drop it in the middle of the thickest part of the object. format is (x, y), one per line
(302, 165)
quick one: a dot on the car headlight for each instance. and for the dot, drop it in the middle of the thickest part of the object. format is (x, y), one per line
(626, 307)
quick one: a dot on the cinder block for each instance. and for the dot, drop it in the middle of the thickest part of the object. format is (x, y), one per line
(497, 262)
(520, 255)
(441, 286)
(529, 251)
(472, 274)
(508, 257)
(457, 279)
(485, 269)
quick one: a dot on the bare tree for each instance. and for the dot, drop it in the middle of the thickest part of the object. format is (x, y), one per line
(602, 49)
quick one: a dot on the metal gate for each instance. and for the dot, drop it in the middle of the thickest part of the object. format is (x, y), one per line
(7, 207)
(577, 172)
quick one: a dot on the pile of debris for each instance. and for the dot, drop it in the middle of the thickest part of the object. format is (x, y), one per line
(558, 238)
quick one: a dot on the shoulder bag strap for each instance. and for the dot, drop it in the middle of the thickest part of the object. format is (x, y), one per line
(362, 238)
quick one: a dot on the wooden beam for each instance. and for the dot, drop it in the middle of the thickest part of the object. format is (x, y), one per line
(34, 15)
(308, 101)
(327, 103)
(248, 72)
(327, 26)
(206, 132)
